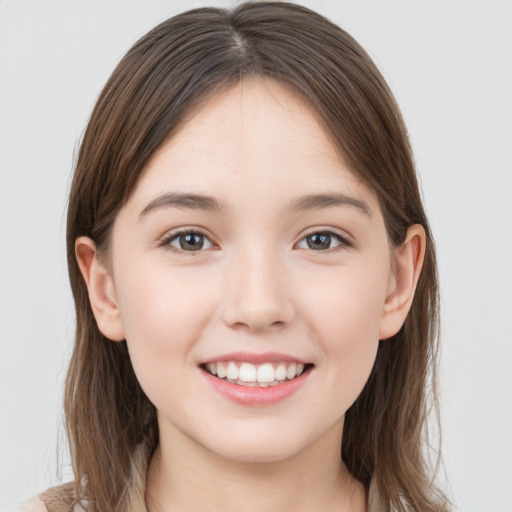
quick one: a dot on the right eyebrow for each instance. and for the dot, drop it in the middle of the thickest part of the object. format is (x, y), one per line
(185, 201)
(328, 200)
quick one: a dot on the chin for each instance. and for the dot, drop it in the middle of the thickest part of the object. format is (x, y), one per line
(258, 448)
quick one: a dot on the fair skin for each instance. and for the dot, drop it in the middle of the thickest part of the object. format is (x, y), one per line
(260, 283)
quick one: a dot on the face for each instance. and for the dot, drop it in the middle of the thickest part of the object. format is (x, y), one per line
(251, 271)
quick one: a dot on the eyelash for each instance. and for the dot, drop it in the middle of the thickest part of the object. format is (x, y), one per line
(166, 241)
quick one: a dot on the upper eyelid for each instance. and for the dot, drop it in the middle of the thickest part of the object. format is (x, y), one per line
(340, 233)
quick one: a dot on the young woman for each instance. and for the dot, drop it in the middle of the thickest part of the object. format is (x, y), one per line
(254, 278)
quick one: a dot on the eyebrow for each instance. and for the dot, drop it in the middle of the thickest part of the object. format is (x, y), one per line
(185, 201)
(327, 200)
(201, 202)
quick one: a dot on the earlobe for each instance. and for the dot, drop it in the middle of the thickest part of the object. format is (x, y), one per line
(408, 262)
(101, 290)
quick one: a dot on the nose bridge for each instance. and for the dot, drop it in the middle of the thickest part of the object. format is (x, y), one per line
(257, 296)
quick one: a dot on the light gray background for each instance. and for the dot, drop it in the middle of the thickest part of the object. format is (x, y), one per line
(450, 66)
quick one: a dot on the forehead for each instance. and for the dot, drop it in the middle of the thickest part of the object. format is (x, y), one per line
(259, 137)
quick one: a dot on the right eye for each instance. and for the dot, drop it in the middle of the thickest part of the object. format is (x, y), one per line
(186, 241)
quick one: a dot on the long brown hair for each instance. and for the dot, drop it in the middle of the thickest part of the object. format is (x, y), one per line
(111, 424)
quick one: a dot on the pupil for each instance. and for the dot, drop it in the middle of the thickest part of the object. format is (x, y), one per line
(321, 241)
(193, 241)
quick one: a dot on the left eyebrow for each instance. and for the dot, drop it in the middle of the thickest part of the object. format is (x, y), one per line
(185, 201)
(318, 201)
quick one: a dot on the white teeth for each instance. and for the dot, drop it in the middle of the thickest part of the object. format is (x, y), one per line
(221, 371)
(281, 372)
(232, 371)
(247, 372)
(266, 373)
(291, 371)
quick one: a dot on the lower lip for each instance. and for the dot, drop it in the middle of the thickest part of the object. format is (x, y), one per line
(249, 395)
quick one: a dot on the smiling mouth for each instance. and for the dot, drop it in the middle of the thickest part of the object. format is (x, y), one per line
(253, 375)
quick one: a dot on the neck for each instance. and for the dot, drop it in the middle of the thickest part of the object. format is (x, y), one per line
(184, 476)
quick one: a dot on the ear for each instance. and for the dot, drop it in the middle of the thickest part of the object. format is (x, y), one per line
(407, 264)
(100, 287)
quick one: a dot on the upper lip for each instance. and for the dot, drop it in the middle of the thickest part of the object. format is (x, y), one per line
(256, 358)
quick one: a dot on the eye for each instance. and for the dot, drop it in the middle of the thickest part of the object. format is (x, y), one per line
(187, 241)
(324, 240)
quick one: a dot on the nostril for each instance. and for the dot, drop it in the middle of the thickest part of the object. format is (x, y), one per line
(256, 325)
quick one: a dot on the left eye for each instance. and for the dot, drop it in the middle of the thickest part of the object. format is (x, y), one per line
(323, 240)
(188, 241)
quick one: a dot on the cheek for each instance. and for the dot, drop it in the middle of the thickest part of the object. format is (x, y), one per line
(351, 339)
(348, 312)
(163, 314)
(347, 304)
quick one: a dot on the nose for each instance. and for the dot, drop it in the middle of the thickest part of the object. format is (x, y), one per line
(258, 293)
